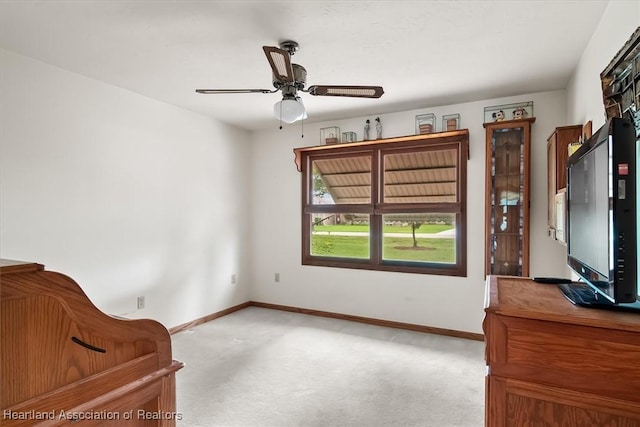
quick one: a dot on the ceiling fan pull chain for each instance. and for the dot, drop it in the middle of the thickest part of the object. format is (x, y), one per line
(302, 128)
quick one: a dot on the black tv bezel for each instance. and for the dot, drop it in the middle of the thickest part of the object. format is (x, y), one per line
(620, 286)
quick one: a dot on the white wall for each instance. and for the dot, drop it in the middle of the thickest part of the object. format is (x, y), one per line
(584, 93)
(127, 195)
(437, 301)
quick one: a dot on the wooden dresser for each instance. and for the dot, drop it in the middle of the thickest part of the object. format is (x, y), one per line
(64, 362)
(551, 363)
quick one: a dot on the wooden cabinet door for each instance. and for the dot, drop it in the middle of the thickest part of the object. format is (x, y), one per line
(512, 403)
(564, 136)
(557, 154)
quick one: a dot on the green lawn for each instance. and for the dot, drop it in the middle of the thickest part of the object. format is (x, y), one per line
(394, 248)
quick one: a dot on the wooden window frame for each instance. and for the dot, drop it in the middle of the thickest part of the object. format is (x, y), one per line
(458, 140)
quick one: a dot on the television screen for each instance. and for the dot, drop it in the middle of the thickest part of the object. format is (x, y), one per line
(602, 215)
(590, 214)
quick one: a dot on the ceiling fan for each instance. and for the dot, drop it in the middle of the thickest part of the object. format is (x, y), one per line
(290, 78)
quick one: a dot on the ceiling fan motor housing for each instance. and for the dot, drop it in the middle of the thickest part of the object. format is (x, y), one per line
(299, 77)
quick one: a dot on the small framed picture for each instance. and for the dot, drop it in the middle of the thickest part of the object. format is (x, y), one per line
(450, 122)
(425, 123)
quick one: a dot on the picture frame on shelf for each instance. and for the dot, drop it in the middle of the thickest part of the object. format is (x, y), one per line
(450, 122)
(425, 123)
(513, 111)
(330, 135)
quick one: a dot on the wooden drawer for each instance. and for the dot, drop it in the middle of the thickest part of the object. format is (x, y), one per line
(574, 357)
(516, 403)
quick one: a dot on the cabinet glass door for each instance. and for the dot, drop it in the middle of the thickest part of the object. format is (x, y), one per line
(507, 197)
(506, 221)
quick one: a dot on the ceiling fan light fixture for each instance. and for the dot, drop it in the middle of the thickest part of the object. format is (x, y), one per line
(304, 113)
(290, 110)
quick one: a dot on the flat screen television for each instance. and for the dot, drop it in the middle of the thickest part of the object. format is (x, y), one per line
(601, 219)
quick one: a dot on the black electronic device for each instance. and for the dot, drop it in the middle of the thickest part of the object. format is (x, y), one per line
(602, 217)
(551, 280)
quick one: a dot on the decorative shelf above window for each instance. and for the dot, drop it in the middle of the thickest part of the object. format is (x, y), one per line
(437, 137)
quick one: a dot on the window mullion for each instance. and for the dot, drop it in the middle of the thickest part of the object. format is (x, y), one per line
(375, 227)
(376, 219)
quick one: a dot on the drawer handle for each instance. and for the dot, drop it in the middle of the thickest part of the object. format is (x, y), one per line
(89, 346)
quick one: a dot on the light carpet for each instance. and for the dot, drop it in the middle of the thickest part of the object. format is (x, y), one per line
(267, 368)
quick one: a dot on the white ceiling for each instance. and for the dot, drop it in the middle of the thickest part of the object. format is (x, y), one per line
(424, 53)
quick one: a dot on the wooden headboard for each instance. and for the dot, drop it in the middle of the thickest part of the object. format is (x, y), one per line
(65, 361)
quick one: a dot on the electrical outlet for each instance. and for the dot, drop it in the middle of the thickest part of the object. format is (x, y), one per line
(277, 277)
(140, 302)
(233, 279)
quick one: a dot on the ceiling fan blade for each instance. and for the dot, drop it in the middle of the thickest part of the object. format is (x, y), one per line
(280, 62)
(218, 91)
(351, 91)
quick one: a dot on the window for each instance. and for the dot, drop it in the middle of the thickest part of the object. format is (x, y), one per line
(393, 205)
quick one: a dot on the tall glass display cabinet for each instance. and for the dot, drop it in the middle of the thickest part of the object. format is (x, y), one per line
(508, 153)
